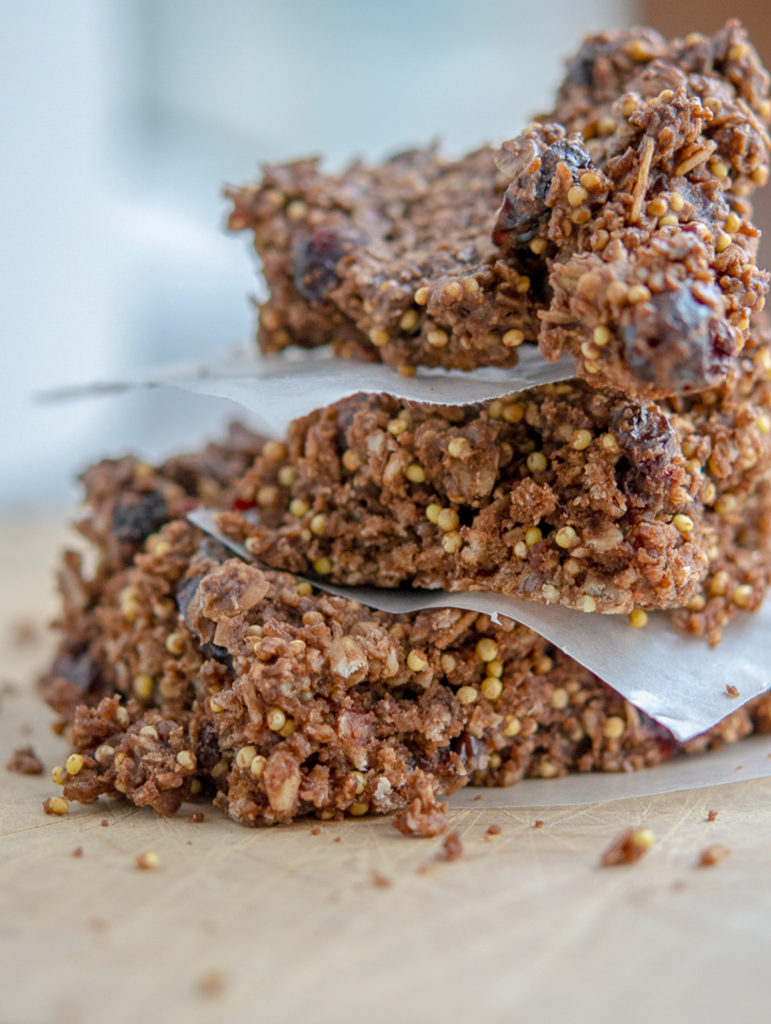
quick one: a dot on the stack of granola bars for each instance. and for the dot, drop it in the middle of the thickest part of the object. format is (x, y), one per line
(617, 229)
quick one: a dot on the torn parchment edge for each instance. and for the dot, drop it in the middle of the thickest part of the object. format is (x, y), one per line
(278, 389)
(674, 678)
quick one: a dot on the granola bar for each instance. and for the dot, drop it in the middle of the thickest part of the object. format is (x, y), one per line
(213, 679)
(624, 234)
(562, 494)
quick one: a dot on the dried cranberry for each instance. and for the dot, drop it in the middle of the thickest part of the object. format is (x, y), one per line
(524, 209)
(138, 515)
(677, 342)
(208, 747)
(315, 263)
(470, 750)
(647, 444)
(217, 653)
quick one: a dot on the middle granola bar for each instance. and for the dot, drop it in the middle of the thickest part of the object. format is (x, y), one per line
(561, 494)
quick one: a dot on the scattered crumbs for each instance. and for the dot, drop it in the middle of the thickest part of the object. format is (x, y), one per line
(424, 815)
(316, 830)
(492, 832)
(196, 817)
(190, 842)
(478, 797)
(78, 851)
(24, 633)
(212, 983)
(739, 768)
(98, 924)
(380, 881)
(452, 847)
(147, 860)
(712, 855)
(538, 823)
(711, 815)
(25, 761)
(628, 848)
(337, 840)
(731, 690)
(55, 805)
(104, 823)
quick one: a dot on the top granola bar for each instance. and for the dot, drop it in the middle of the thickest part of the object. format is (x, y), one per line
(617, 228)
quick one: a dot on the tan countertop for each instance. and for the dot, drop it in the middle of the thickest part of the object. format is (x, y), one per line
(285, 925)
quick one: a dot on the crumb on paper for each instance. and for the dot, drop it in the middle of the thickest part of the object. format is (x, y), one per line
(316, 830)
(628, 848)
(492, 832)
(538, 823)
(25, 761)
(478, 797)
(731, 690)
(104, 823)
(212, 983)
(196, 818)
(78, 851)
(148, 860)
(711, 815)
(452, 847)
(24, 633)
(380, 881)
(712, 855)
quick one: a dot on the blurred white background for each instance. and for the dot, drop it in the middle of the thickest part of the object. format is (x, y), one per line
(121, 120)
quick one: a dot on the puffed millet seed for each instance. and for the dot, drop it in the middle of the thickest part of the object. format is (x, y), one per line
(416, 661)
(718, 585)
(722, 242)
(148, 860)
(614, 728)
(577, 195)
(448, 520)
(378, 337)
(58, 775)
(601, 336)
(742, 595)
(467, 694)
(683, 523)
(513, 338)
(150, 731)
(143, 686)
(487, 649)
(73, 764)
(732, 223)
(415, 473)
(318, 523)
(274, 450)
(536, 462)
(449, 663)
(537, 246)
(257, 766)
(421, 296)
(491, 688)
(533, 536)
(409, 320)
(512, 726)
(520, 549)
(638, 618)
(581, 440)
(550, 593)
(275, 719)
(513, 412)
(586, 603)
(175, 643)
(495, 668)
(298, 507)
(432, 512)
(322, 566)
(437, 338)
(359, 808)
(56, 805)
(459, 448)
(351, 460)
(452, 542)
(560, 699)
(566, 537)
(245, 756)
(186, 759)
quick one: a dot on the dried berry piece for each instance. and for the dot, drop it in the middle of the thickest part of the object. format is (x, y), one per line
(678, 342)
(315, 263)
(138, 515)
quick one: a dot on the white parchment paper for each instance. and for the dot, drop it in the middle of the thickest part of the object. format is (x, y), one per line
(675, 678)
(277, 390)
(736, 762)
